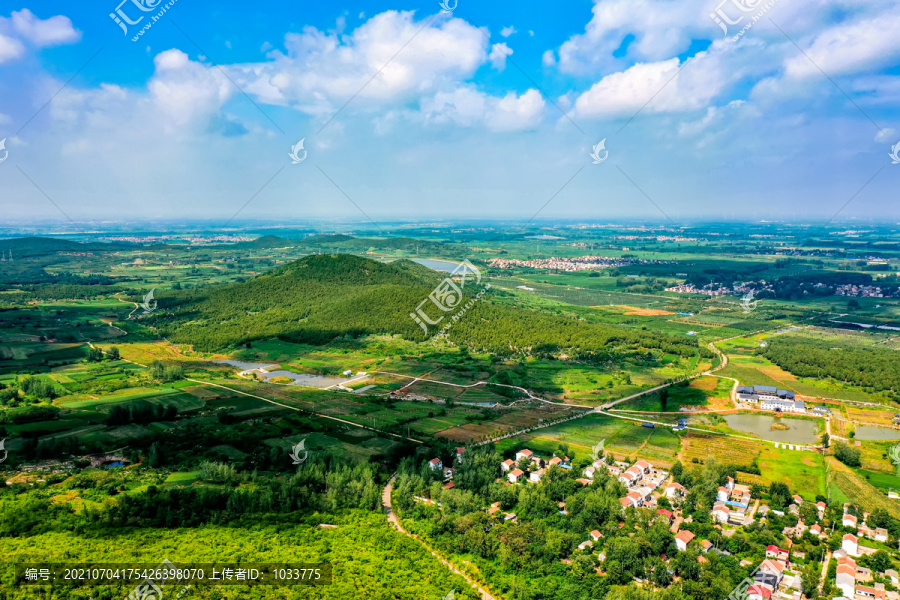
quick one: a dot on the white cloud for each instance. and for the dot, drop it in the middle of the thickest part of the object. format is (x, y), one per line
(44, 32)
(498, 55)
(515, 113)
(628, 91)
(849, 48)
(548, 59)
(468, 107)
(661, 29)
(508, 31)
(184, 90)
(10, 48)
(320, 70)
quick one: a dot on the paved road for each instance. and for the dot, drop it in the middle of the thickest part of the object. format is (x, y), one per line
(393, 520)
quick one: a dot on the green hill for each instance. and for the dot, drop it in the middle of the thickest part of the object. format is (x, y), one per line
(322, 297)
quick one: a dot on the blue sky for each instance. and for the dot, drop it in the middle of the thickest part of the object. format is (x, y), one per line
(488, 111)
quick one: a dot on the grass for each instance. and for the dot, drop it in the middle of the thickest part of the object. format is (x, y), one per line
(803, 472)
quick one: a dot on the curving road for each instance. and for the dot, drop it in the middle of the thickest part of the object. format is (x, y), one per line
(393, 520)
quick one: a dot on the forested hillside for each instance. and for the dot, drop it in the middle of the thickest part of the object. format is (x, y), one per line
(319, 298)
(877, 369)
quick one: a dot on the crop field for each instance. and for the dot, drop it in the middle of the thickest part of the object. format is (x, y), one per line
(800, 470)
(710, 393)
(858, 490)
(623, 439)
(724, 449)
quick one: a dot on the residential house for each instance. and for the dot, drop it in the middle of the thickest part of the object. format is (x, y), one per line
(643, 465)
(722, 494)
(772, 568)
(881, 534)
(758, 592)
(515, 475)
(675, 490)
(589, 472)
(705, 545)
(845, 580)
(777, 553)
(449, 485)
(436, 464)
(459, 454)
(820, 507)
(848, 521)
(507, 465)
(535, 476)
(850, 544)
(667, 514)
(797, 500)
(682, 539)
(526, 454)
(596, 535)
(635, 497)
(555, 461)
(729, 483)
(816, 530)
(863, 591)
(720, 512)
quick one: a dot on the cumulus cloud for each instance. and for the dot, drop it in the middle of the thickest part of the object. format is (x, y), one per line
(660, 29)
(23, 26)
(184, 90)
(854, 47)
(498, 55)
(658, 83)
(468, 107)
(508, 31)
(44, 32)
(320, 70)
(10, 48)
(548, 59)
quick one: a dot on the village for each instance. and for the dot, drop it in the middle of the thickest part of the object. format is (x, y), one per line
(856, 560)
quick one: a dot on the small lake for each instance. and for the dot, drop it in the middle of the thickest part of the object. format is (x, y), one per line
(444, 266)
(801, 431)
(868, 433)
(317, 381)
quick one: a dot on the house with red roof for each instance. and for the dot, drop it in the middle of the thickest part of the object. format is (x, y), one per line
(683, 538)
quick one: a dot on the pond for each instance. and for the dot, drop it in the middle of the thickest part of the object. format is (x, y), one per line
(867, 433)
(444, 266)
(318, 381)
(800, 431)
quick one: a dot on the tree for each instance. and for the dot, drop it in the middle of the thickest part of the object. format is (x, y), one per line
(826, 440)
(809, 579)
(664, 398)
(113, 353)
(849, 455)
